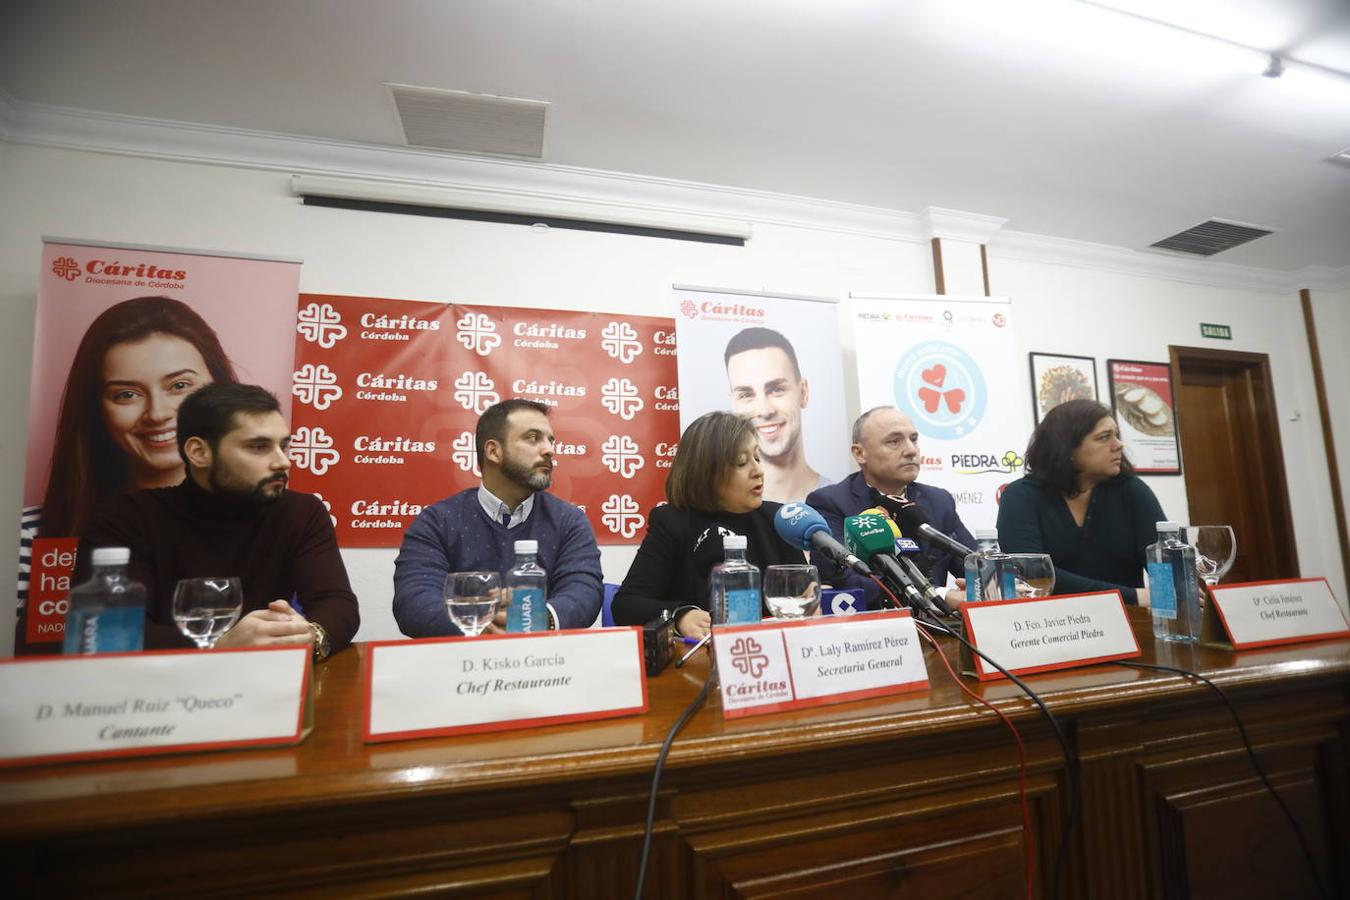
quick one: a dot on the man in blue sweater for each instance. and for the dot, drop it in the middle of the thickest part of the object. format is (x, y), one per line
(886, 449)
(476, 529)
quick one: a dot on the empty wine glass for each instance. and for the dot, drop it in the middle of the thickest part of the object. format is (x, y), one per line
(1215, 549)
(471, 599)
(792, 592)
(1034, 574)
(206, 608)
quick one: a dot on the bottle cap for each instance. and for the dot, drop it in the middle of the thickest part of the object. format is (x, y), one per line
(986, 534)
(527, 546)
(111, 556)
(733, 542)
(1168, 526)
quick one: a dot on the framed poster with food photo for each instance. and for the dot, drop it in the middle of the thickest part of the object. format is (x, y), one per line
(1145, 409)
(1055, 379)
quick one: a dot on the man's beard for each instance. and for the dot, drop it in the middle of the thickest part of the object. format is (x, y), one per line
(526, 476)
(258, 493)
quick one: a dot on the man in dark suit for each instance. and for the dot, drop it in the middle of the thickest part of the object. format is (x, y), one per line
(886, 448)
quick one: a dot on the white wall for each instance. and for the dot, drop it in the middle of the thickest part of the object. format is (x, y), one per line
(128, 199)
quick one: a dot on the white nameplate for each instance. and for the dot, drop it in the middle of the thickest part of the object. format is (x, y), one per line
(1045, 633)
(783, 665)
(133, 704)
(498, 681)
(1261, 613)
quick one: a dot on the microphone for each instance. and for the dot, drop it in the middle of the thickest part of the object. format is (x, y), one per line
(913, 521)
(930, 593)
(804, 528)
(870, 537)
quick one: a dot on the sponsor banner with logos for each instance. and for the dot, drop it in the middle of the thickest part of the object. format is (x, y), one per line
(798, 410)
(122, 335)
(388, 394)
(950, 365)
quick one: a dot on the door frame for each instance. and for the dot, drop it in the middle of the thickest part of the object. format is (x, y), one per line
(1263, 400)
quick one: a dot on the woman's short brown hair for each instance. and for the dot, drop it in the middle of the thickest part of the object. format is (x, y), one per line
(708, 449)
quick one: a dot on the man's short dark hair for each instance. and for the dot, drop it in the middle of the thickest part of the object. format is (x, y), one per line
(208, 412)
(760, 338)
(492, 423)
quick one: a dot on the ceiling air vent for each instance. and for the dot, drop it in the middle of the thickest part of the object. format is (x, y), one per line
(470, 123)
(1209, 238)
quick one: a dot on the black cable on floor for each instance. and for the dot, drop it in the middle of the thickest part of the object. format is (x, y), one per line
(656, 778)
(1256, 763)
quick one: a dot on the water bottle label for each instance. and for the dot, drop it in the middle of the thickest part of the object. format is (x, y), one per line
(1162, 593)
(116, 630)
(972, 587)
(742, 607)
(526, 606)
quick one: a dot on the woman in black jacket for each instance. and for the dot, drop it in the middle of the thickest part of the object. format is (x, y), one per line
(715, 488)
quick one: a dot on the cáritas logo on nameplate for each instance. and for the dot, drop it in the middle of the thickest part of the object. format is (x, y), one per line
(783, 665)
(54, 709)
(1266, 613)
(1045, 633)
(496, 682)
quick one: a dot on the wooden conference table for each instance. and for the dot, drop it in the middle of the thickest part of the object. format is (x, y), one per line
(903, 797)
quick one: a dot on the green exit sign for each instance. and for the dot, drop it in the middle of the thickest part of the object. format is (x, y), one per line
(1218, 332)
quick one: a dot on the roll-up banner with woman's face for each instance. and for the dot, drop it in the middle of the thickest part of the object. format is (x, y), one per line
(123, 334)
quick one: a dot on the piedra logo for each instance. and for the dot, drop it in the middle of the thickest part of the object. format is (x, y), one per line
(986, 463)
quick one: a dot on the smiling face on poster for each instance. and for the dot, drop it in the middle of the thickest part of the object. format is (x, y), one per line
(123, 336)
(775, 361)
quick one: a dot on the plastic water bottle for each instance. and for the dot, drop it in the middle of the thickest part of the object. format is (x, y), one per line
(988, 574)
(733, 585)
(107, 612)
(528, 584)
(1173, 590)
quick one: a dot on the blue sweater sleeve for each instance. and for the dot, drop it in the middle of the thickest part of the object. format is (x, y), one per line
(419, 578)
(576, 584)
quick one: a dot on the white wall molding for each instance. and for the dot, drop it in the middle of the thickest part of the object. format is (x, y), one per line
(1322, 278)
(955, 225)
(1105, 257)
(73, 129)
(410, 167)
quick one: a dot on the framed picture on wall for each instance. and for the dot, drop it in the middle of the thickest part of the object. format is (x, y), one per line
(1145, 409)
(1055, 379)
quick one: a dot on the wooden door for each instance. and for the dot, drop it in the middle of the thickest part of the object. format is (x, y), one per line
(1232, 459)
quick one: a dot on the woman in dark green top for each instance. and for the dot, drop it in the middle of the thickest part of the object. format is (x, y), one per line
(1082, 503)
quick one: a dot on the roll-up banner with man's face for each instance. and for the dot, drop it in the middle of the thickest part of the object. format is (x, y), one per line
(123, 334)
(775, 360)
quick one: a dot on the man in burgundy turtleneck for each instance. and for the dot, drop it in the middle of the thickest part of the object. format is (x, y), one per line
(233, 517)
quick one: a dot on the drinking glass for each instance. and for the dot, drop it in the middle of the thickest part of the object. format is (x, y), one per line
(1034, 573)
(792, 592)
(471, 599)
(1215, 549)
(206, 608)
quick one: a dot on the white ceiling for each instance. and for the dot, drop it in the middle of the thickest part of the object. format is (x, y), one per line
(1066, 119)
